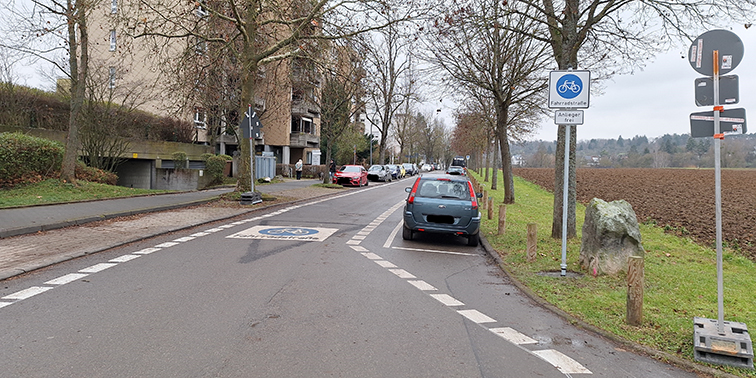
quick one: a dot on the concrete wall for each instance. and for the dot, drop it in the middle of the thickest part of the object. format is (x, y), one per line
(180, 179)
(135, 173)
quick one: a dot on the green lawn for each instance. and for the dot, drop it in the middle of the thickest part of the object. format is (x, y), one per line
(54, 191)
(680, 277)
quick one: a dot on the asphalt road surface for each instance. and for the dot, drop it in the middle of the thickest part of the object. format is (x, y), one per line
(321, 289)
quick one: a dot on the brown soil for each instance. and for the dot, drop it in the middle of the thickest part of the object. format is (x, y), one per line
(682, 199)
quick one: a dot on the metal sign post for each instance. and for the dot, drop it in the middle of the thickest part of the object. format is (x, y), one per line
(568, 90)
(719, 342)
(250, 128)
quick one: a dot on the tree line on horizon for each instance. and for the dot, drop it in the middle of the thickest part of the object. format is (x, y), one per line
(666, 151)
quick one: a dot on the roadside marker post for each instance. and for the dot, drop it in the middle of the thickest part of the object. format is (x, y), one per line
(718, 341)
(569, 91)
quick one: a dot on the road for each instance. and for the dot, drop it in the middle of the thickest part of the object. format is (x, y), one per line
(326, 288)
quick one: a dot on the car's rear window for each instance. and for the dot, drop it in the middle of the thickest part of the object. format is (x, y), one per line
(443, 189)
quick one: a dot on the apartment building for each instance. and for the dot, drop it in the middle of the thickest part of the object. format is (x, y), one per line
(184, 78)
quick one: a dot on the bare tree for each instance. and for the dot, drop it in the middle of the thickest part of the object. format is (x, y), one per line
(50, 30)
(341, 96)
(473, 43)
(257, 33)
(387, 61)
(611, 37)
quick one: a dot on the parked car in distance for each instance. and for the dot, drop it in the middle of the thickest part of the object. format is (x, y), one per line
(455, 170)
(351, 175)
(395, 172)
(442, 204)
(378, 173)
(426, 167)
(411, 169)
(402, 171)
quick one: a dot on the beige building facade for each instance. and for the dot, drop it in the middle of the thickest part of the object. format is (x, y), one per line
(147, 73)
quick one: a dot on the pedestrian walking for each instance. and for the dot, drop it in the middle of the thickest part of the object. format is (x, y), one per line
(298, 168)
(331, 170)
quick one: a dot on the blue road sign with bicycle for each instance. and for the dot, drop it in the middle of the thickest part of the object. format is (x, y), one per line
(569, 89)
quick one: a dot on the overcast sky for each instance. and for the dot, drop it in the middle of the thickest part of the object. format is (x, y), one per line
(659, 99)
(655, 101)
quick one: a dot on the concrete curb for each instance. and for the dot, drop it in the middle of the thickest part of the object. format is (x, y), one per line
(82, 221)
(638, 348)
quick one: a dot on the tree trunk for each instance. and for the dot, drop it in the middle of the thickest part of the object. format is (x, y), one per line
(495, 165)
(502, 114)
(488, 160)
(556, 225)
(77, 17)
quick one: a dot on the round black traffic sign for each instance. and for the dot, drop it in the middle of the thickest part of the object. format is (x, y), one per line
(701, 53)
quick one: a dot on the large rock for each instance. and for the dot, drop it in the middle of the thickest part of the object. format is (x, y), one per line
(610, 236)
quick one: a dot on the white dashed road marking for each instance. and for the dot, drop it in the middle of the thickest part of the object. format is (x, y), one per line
(27, 293)
(513, 336)
(560, 361)
(97, 268)
(68, 278)
(565, 364)
(447, 300)
(34, 290)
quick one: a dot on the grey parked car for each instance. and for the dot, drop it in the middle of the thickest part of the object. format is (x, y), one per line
(442, 204)
(411, 169)
(379, 173)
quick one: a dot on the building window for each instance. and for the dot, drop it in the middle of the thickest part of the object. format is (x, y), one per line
(199, 118)
(114, 6)
(112, 40)
(201, 10)
(112, 79)
(200, 45)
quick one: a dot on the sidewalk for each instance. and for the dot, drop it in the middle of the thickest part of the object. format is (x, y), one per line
(39, 236)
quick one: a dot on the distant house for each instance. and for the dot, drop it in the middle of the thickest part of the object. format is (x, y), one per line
(518, 161)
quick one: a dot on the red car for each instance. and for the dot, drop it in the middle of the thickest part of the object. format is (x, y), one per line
(351, 175)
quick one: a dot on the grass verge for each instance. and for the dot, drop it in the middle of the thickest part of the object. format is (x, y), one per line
(680, 277)
(54, 191)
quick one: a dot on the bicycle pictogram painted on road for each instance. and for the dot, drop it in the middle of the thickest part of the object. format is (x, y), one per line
(289, 231)
(285, 233)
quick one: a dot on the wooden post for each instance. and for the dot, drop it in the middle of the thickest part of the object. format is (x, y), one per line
(635, 290)
(490, 208)
(502, 218)
(532, 242)
(485, 198)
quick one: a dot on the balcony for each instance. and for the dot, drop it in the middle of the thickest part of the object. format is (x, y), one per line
(304, 140)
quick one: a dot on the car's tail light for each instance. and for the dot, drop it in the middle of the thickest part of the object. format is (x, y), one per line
(473, 198)
(411, 198)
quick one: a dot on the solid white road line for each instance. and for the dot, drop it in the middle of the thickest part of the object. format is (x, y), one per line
(435, 251)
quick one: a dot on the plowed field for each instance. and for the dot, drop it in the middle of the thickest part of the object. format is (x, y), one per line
(682, 199)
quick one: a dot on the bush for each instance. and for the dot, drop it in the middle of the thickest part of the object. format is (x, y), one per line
(91, 174)
(214, 165)
(179, 160)
(25, 158)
